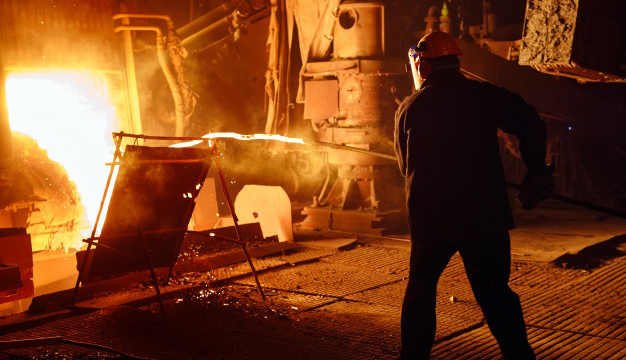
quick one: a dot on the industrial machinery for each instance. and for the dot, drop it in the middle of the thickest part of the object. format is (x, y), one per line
(334, 73)
(351, 100)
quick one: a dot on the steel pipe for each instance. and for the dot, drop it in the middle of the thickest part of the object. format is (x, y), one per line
(219, 29)
(144, 16)
(179, 106)
(207, 19)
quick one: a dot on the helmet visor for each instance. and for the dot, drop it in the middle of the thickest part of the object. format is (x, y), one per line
(414, 61)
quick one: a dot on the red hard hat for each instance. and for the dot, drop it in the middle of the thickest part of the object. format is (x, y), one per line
(437, 44)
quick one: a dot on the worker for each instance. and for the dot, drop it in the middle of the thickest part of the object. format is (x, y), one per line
(446, 141)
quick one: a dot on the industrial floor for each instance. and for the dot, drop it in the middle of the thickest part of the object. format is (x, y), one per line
(341, 299)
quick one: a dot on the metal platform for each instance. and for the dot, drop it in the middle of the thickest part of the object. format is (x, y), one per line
(334, 304)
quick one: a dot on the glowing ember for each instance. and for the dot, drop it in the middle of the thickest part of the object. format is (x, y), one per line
(245, 137)
(71, 115)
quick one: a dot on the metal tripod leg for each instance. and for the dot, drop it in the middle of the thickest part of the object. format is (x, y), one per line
(235, 221)
(116, 155)
(153, 274)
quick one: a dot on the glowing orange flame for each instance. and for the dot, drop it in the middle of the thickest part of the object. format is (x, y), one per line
(244, 137)
(71, 115)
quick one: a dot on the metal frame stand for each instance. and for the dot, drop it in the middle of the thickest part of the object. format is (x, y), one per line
(93, 240)
(116, 156)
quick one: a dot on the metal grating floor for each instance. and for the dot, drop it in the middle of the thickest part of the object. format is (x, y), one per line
(329, 304)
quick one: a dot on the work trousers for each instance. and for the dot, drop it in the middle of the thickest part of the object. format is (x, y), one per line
(487, 264)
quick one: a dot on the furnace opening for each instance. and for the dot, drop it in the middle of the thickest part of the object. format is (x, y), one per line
(71, 115)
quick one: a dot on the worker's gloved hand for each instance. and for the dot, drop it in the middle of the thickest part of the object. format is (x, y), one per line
(535, 188)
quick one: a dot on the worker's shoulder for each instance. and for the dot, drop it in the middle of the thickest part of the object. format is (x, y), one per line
(417, 100)
(485, 87)
(406, 103)
(417, 96)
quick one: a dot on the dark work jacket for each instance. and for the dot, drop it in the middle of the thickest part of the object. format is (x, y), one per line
(446, 141)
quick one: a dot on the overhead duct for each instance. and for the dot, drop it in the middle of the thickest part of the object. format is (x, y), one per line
(220, 23)
(216, 31)
(207, 19)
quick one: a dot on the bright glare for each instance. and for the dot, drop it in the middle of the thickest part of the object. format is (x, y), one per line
(244, 137)
(71, 115)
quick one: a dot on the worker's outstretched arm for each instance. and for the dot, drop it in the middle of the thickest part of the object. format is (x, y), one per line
(517, 117)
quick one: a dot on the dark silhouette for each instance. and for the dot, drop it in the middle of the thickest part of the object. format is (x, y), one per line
(447, 146)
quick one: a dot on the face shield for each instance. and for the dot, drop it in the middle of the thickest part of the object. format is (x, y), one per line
(414, 64)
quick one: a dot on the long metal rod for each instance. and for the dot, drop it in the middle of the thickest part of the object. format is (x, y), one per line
(116, 155)
(310, 142)
(132, 235)
(350, 148)
(566, 199)
(155, 137)
(577, 202)
(117, 251)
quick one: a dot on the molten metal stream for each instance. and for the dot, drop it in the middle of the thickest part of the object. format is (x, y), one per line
(244, 137)
(286, 139)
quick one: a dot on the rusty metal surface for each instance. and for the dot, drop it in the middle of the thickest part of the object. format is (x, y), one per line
(355, 66)
(575, 38)
(359, 90)
(360, 30)
(353, 221)
(367, 89)
(321, 100)
(366, 100)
